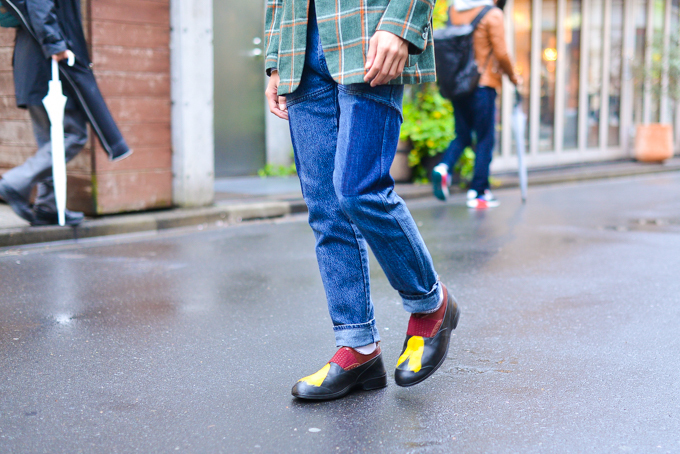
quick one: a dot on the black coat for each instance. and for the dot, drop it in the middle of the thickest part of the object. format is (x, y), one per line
(47, 28)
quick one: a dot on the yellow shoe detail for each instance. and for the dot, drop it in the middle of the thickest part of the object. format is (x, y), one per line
(317, 378)
(414, 354)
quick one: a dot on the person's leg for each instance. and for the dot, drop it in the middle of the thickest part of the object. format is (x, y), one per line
(23, 177)
(341, 250)
(484, 126)
(462, 125)
(75, 138)
(370, 120)
(441, 174)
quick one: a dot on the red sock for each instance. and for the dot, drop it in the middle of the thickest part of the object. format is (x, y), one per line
(427, 325)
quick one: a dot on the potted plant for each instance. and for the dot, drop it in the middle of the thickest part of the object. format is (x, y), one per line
(660, 77)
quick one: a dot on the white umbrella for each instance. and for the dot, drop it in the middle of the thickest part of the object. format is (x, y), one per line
(519, 121)
(55, 102)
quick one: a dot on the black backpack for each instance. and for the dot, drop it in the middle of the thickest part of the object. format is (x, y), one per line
(457, 71)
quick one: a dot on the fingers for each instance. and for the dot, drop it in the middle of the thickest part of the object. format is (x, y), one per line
(60, 56)
(370, 57)
(387, 54)
(374, 60)
(277, 104)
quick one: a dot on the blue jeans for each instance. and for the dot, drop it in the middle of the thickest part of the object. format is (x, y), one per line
(345, 138)
(476, 112)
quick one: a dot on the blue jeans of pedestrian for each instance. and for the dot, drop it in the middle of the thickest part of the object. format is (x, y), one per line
(477, 113)
(345, 138)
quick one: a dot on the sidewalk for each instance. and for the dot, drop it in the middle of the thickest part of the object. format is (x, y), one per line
(249, 198)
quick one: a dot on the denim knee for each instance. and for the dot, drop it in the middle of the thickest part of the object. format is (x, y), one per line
(351, 205)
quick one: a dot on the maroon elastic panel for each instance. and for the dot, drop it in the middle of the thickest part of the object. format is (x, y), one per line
(424, 327)
(348, 358)
(344, 358)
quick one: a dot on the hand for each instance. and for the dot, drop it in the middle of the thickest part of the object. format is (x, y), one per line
(387, 54)
(62, 55)
(277, 104)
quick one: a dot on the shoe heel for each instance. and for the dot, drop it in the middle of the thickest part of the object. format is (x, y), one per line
(456, 317)
(374, 383)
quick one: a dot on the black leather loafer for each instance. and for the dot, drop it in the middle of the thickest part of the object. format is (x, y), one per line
(334, 381)
(423, 354)
(42, 217)
(20, 205)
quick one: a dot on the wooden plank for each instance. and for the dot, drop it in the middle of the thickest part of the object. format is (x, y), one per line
(15, 155)
(16, 132)
(6, 83)
(147, 134)
(6, 57)
(79, 193)
(131, 11)
(130, 35)
(143, 158)
(7, 37)
(82, 163)
(133, 84)
(133, 191)
(139, 60)
(137, 110)
(10, 111)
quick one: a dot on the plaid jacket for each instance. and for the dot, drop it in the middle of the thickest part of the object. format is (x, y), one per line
(345, 27)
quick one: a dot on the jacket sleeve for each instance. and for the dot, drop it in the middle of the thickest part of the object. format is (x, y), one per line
(410, 20)
(272, 26)
(496, 30)
(43, 19)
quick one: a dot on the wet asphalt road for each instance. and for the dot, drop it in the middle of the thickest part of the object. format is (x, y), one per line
(190, 341)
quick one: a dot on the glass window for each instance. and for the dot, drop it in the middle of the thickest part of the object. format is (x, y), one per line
(521, 15)
(616, 57)
(640, 45)
(572, 44)
(594, 72)
(673, 54)
(656, 44)
(548, 65)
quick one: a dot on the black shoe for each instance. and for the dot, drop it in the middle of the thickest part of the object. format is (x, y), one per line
(44, 217)
(426, 344)
(346, 371)
(15, 200)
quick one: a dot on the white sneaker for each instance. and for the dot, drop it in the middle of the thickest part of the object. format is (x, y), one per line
(471, 194)
(485, 201)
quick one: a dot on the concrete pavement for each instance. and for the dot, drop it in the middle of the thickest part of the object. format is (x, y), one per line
(189, 341)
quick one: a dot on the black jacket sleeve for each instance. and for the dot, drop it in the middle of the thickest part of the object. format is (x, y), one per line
(43, 19)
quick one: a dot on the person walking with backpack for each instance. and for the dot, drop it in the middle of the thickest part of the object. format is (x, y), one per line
(476, 112)
(337, 73)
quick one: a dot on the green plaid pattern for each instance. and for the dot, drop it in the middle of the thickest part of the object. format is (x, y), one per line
(345, 27)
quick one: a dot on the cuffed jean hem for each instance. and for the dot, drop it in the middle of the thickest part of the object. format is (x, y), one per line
(423, 303)
(354, 336)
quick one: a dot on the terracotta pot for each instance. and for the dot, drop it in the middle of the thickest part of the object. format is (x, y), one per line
(653, 142)
(400, 170)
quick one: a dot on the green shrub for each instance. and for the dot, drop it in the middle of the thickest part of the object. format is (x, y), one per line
(428, 122)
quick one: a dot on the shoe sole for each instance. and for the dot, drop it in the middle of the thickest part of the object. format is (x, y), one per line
(369, 385)
(24, 212)
(476, 203)
(440, 191)
(454, 325)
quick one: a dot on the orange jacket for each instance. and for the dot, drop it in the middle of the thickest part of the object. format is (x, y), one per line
(489, 35)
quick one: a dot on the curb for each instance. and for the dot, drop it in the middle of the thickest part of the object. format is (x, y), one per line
(154, 221)
(235, 213)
